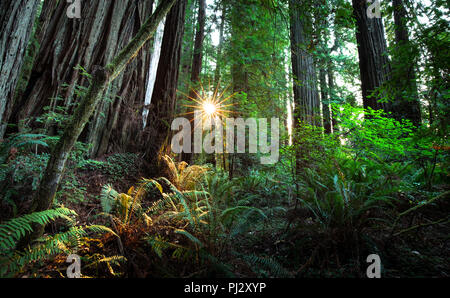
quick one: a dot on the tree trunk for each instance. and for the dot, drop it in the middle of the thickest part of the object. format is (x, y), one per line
(406, 104)
(217, 71)
(373, 61)
(326, 115)
(101, 77)
(105, 28)
(332, 95)
(218, 74)
(306, 98)
(161, 110)
(16, 25)
(196, 66)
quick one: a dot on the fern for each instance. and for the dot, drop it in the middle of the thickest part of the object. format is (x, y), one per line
(14, 229)
(21, 140)
(183, 176)
(107, 198)
(109, 261)
(229, 215)
(189, 236)
(13, 261)
(267, 263)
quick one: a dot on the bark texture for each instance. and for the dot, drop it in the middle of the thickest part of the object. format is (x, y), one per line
(406, 104)
(104, 28)
(16, 25)
(373, 60)
(161, 110)
(326, 115)
(196, 64)
(332, 95)
(101, 77)
(306, 97)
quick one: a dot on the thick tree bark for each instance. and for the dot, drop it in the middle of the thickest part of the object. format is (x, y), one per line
(157, 133)
(406, 104)
(105, 28)
(373, 60)
(101, 77)
(198, 45)
(16, 25)
(306, 97)
(196, 64)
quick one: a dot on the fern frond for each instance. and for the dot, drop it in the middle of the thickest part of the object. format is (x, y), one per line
(267, 263)
(14, 229)
(107, 198)
(49, 246)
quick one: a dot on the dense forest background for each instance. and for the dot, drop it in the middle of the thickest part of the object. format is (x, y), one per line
(88, 92)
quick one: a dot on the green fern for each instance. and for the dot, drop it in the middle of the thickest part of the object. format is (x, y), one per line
(14, 229)
(267, 263)
(11, 261)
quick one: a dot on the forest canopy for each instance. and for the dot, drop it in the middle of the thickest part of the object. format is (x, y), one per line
(224, 138)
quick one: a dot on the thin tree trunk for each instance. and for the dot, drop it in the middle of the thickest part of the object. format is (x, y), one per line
(326, 115)
(196, 65)
(161, 111)
(406, 105)
(332, 95)
(101, 77)
(217, 71)
(16, 25)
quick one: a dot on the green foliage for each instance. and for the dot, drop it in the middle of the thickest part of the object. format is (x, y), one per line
(20, 141)
(266, 267)
(116, 165)
(340, 196)
(14, 229)
(12, 261)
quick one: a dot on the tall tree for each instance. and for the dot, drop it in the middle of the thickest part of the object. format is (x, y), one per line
(406, 99)
(373, 60)
(332, 95)
(101, 78)
(306, 97)
(217, 71)
(103, 29)
(321, 32)
(196, 63)
(16, 25)
(326, 114)
(163, 102)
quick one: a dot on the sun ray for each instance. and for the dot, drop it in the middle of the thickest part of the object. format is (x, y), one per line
(209, 102)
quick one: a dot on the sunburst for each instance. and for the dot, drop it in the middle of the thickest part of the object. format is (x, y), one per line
(210, 104)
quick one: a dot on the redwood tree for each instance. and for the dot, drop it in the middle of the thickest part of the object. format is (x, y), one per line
(104, 28)
(101, 78)
(16, 24)
(373, 60)
(406, 99)
(161, 110)
(306, 97)
(196, 63)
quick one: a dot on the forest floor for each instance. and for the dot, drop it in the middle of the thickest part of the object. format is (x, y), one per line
(287, 244)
